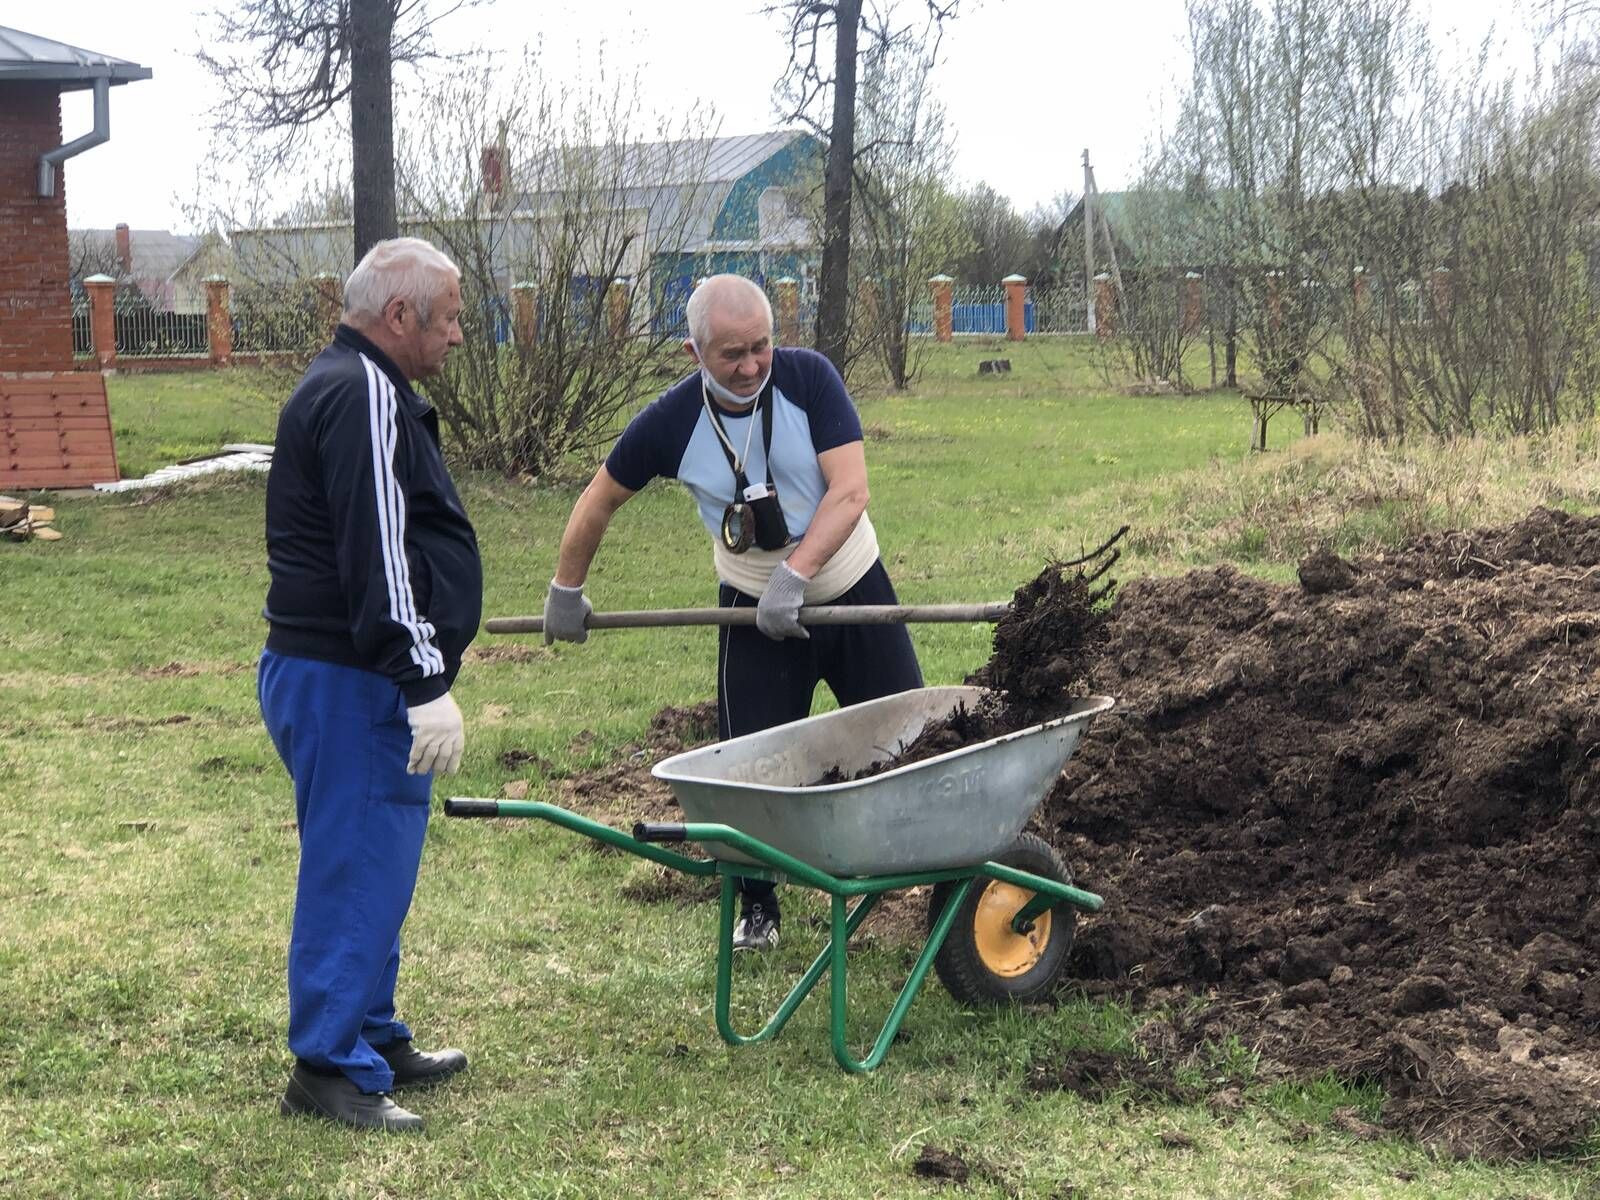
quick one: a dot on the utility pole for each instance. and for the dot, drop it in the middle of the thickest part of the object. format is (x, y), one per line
(1088, 238)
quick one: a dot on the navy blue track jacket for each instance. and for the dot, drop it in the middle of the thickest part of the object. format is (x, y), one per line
(373, 561)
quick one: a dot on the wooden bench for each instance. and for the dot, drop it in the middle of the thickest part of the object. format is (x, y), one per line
(1263, 405)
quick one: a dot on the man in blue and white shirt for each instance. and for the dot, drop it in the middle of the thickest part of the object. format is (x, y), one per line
(751, 416)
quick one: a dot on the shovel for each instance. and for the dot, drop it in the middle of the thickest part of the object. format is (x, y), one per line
(822, 614)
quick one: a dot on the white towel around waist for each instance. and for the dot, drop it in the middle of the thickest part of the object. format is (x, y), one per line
(749, 571)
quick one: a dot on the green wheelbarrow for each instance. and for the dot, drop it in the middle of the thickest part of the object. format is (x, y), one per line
(1002, 911)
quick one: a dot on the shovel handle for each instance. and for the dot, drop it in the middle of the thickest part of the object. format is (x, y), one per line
(822, 614)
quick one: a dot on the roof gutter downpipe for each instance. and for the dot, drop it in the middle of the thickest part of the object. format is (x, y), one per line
(100, 133)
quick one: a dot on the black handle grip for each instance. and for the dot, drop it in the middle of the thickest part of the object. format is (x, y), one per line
(658, 831)
(471, 808)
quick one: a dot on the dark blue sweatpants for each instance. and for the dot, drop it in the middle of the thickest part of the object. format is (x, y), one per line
(343, 735)
(762, 681)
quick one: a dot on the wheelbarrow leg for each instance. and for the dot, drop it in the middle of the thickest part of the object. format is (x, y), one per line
(801, 990)
(908, 993)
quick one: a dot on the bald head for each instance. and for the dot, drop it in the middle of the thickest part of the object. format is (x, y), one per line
(730, 336)
(725, 299)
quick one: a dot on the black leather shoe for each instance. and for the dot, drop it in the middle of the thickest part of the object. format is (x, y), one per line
(419, 1068)
(335, 1098)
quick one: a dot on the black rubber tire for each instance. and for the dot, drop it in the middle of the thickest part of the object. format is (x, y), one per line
(959, 965)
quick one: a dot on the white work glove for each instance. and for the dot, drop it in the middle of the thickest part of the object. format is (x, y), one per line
(565, 611)
(778, 614)
(437, 737)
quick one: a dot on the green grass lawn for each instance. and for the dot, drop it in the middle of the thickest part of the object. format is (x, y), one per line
(147, 862)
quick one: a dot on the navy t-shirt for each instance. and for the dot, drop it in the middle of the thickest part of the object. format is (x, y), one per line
(673, 438)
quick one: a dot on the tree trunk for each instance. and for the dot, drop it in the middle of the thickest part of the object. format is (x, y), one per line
(372, 123)
(833, 278)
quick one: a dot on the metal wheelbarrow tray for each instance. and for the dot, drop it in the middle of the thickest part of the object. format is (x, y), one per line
(997, 931)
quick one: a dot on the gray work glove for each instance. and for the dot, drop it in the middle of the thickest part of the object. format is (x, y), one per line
(565, 610)
(778, 614)
(437, 737)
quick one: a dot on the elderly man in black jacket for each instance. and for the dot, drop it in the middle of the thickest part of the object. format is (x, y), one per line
(376, 590)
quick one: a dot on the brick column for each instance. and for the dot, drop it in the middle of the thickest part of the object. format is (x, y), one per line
(35, 288)
(1016, 300)
(618, 305)
(525, 314)
(788, 311)
(330, 300)
(1360, 290)
(102, 291)
(943, 307)
(1194, 302)
(219, 321)
(1105, 306)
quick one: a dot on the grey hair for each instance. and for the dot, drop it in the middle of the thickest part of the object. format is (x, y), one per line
(403, 268)
(723, 292)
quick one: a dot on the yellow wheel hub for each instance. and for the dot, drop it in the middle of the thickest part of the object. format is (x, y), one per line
(1003, 950)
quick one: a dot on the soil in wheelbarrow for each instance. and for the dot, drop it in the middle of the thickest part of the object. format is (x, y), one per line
(1045, 647)
(1360, 816)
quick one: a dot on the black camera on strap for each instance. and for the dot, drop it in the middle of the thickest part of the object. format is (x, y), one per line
(755, 518)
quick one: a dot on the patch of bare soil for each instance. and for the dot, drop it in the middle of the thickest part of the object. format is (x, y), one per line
(1361, 816)
(652, 883)
(511, 652)
(623, 790)
(183, 670)
(1098, 1075)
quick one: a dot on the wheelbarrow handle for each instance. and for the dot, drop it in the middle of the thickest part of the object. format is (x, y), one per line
(659, 831)
(455, 806)
(820, 614)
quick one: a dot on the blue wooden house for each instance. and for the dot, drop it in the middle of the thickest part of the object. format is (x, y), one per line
(704, 206)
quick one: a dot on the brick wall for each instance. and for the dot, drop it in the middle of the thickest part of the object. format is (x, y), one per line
(35, 304)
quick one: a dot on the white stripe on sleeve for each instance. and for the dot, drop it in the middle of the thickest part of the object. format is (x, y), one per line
(391, 508)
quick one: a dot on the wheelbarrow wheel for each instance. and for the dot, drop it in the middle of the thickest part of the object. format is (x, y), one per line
(984, 960)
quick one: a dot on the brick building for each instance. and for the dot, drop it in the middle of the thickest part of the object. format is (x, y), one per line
(53, 425)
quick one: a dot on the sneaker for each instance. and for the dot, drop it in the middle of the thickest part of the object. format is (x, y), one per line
(757, 928)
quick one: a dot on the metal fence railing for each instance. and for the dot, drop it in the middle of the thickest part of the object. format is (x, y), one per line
(277, 320)
(82, 332)
(1063, 309)
(144, 332)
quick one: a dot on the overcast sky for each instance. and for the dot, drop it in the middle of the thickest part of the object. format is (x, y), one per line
(1028, 84)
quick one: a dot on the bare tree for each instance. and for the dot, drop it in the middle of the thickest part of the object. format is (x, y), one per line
(286, 64)
(826, 39)
(999, 239)
(907, 224)
(1416, 247)
(571, 199)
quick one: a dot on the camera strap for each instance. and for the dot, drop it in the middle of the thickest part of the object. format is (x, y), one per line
(764, 408)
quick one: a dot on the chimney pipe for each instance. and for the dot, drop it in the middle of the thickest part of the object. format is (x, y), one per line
(492, 167)
(124, 249)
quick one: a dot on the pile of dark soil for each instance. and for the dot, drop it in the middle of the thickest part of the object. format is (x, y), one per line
(1362, 817)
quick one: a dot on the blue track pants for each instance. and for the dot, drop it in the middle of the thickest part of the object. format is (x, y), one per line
(343, 735)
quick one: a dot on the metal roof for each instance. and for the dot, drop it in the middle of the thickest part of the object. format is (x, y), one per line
(26, 56)
(156, 254)
(696, 161)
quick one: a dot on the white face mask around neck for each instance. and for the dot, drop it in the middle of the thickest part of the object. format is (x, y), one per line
(728, 395)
